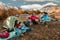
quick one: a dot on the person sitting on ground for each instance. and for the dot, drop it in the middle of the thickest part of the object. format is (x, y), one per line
(45, 18)
(27, 22)
(33, 18)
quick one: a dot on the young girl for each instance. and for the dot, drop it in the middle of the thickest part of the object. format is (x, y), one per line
(45, 18)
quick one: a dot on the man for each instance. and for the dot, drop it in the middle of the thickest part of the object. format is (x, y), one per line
(33, 18)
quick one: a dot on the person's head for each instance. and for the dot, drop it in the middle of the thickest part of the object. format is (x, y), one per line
(16, 21)
(45, 13)
(42, 13)
(33, 13)
(19, 22)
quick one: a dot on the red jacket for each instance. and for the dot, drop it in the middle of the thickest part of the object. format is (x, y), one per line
(33, 17)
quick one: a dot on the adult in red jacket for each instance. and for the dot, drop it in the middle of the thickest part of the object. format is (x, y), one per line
(33, 18)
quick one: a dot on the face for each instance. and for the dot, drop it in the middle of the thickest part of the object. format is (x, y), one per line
(42, 13)
(33, 14)
(16, 21)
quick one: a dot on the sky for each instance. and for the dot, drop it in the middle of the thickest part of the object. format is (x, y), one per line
(18, 3)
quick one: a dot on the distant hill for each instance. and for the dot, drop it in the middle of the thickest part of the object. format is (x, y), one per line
(37, 6)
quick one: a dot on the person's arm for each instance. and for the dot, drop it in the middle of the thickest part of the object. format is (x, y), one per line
(36, 17)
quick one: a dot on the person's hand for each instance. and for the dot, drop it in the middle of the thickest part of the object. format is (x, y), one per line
(36, 19)
(19, 27)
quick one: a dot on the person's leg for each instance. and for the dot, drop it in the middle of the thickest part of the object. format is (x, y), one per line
(28, 30)
(46, 24)
(34, 22)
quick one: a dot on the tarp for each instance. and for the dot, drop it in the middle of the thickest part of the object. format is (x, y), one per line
(9, 22)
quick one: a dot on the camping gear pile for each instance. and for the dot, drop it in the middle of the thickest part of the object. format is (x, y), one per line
(13, 32)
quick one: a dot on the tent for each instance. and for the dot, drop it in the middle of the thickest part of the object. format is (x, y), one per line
(9, 24)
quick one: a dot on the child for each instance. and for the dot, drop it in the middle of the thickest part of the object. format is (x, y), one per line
(33, 18)
(25, 28)
(17, 24)
(45, 18)
(27, 23)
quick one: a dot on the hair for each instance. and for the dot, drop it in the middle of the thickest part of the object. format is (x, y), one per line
(19, 22)
(16, 20)
(45, 12)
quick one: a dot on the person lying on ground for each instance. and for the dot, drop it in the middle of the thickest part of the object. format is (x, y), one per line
(27, 22)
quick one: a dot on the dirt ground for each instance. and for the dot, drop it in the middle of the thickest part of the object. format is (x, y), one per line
(41, 32)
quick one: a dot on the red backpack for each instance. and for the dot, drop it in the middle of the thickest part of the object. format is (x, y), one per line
(1, 35)
(4, 34)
